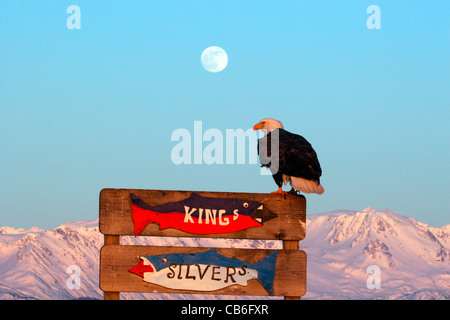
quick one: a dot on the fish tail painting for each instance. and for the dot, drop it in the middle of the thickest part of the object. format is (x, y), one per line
(266, 271)
(200, 215)
(205, 271)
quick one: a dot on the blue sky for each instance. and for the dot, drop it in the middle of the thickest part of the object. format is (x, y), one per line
(81, 110)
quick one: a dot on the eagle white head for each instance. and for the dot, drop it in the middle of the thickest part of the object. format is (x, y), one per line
(267, 125)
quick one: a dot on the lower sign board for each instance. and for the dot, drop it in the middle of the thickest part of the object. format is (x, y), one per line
(202, 270)
(205, 271)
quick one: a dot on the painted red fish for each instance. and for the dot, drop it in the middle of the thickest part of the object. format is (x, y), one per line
(200, 215)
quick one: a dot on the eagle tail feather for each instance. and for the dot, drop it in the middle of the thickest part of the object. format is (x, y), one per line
(306, 186)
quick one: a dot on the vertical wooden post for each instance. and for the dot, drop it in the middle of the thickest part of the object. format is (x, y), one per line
(112, 295)
(112, 240)
(291, 245)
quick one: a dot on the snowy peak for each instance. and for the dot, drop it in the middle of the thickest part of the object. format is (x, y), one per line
(381, 231)
(379, 252)
(10, 230)
(82, 224)
(33, 263)
(356, 225)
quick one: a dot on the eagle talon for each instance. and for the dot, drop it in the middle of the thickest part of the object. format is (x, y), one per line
(280, 191)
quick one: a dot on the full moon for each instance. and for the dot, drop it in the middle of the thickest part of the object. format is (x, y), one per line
(214, 59)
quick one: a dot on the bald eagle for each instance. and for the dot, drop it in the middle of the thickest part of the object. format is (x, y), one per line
(297, 161)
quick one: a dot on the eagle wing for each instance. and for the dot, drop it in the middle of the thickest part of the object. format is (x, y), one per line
(296, 158)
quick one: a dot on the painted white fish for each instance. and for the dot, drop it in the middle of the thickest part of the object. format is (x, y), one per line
(205, 271)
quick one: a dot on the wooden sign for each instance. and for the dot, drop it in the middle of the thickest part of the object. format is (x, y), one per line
(203, 214)
(202, 270)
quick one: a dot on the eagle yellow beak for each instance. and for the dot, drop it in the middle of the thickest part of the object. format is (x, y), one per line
(258, 126)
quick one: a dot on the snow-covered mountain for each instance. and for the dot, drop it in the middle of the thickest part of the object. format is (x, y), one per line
(413, 259)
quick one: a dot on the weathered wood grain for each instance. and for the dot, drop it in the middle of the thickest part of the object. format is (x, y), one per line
(116, 260)
(116, 219)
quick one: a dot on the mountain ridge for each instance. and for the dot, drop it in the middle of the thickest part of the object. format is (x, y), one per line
(413, 258)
